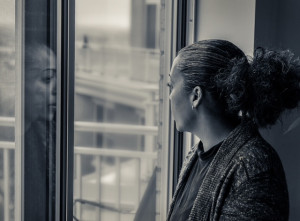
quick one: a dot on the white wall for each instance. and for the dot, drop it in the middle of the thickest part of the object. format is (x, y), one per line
(232, 20)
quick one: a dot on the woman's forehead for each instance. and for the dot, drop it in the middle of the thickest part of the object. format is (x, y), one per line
(176, 76)
(176, 60)
(174, 69)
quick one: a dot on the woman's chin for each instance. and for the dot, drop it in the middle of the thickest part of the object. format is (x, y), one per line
(179, 128)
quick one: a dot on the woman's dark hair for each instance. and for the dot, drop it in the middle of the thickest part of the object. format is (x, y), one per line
(260, 88)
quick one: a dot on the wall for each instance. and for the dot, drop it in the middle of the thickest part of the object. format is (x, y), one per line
(231, 20)
(277, 26)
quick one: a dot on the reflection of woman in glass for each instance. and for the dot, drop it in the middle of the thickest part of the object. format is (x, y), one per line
(39, 150)
(221, 97)
(40, 84)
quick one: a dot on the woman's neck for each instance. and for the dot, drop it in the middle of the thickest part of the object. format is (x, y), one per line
(212, 130)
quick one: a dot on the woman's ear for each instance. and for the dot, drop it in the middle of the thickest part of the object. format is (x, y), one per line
(196, 96)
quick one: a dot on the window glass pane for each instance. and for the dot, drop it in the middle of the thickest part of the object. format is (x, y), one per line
(39, 134)
(39, 111)
(117, 65)
(7, 109)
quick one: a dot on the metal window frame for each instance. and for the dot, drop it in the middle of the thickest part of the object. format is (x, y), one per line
(65, 109)
(182, 33)
(188, 138)
(172, 141)
(181, 41)
(19, 110)
(165, 141)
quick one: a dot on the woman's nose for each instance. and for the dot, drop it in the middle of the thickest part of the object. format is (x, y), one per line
(53, 86)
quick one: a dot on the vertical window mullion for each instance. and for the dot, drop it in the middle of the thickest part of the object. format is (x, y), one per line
(67, 109)
(19, 111)
(165, 137)
(178, 136)
(188, 138)
(58, 110)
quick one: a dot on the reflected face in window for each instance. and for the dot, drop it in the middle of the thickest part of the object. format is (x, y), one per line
(40, 87)
(180, 105)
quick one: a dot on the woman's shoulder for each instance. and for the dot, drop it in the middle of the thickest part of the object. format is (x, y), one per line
(257, 156)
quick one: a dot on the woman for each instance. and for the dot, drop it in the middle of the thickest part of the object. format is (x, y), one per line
(222, 98)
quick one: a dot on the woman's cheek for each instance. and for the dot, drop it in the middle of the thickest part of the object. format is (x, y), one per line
(171, 97)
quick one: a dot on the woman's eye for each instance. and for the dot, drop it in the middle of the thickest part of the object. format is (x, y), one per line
(46, 79)
(48, 75)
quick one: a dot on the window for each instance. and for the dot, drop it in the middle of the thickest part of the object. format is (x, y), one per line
(120, 152)
(117, 66)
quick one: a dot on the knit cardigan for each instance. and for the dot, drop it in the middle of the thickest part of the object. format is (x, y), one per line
(245, 181)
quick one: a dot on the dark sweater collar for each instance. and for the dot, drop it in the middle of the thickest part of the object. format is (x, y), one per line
(205, 155)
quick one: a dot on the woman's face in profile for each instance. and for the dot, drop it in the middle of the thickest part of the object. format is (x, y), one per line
(181, 106)
(41, 86)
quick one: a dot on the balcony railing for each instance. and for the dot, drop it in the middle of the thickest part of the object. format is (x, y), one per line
(108, 191)
(6, 147)
(141, 64)
(124, 160)
(98, 127)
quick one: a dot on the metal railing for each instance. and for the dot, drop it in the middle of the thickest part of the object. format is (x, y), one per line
(135, 156)
(132, 62)
(98, 127)
(6, 147)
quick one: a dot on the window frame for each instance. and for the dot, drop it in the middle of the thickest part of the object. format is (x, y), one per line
(65, 45)
(19, 110)
(65, 116)
(178, 32)
(20, 43)
(181, 11)
(165, 141)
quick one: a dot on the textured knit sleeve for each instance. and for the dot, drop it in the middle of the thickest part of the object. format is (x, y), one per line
(260, 190)
(259, 198)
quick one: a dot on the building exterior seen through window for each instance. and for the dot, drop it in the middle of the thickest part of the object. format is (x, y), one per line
(117, 63)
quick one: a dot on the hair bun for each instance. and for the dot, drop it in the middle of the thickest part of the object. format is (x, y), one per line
(232, 83)
(274, 77)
